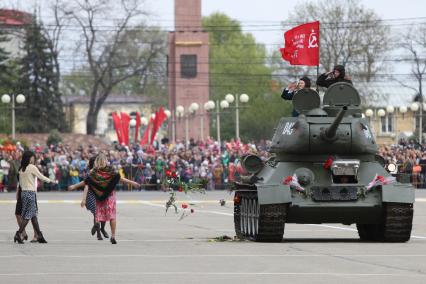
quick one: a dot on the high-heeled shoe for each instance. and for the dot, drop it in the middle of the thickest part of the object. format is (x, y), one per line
(106, 236)
(41, 239)
(17, 238)
(113, 241)
(93, 231)
(24, 236)
(98, 234)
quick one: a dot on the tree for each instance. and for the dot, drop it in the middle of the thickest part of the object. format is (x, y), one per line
(39, 83)
(237, 64)
(110, 62)
(350, 35)
(413, 42)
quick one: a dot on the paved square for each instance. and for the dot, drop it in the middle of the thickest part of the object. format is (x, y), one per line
(154, 248)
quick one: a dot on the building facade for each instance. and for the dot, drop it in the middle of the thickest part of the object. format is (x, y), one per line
(188, 72)
(12, 23)
(77, 107)
(392, 126)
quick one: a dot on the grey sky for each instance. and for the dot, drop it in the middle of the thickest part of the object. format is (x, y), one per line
(248, 12)
(277, 10)
(251, 13)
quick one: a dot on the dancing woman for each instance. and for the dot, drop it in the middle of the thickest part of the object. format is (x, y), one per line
(28, 173)
(89, 201)
(102, 180)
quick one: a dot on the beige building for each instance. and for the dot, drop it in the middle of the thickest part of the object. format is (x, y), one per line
(77, 107)
(12, 22)
(389, 125)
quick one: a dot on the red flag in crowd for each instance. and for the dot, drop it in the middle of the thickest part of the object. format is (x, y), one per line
(160, 117)
(117, 125)
(302, 45)
(125, 122)
(144, 139)
(138, 125)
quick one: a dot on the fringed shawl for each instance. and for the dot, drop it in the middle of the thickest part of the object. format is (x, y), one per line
(102, 182)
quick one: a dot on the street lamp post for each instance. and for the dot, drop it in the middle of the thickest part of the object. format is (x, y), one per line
(133, 129)
(244, 98)
(414, 108)
(20, 99)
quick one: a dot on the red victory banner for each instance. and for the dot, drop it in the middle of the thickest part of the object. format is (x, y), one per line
(125, 123)
(302, 45)
(117, 125)
(145, 137)
(160, 117)
(138, 125)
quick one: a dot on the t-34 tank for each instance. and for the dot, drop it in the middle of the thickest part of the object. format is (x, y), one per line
(325, 169)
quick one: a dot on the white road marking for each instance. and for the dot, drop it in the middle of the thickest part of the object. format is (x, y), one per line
(189, 273)
(354, 230)
(210, 255)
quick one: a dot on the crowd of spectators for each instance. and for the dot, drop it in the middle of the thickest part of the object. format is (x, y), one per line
(410, 158)
(216, 164)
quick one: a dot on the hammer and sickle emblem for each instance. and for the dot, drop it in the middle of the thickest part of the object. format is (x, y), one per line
(313, 40)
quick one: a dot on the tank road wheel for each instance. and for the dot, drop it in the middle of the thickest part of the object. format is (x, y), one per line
(398, 222)
(396, 226)
(262, 223)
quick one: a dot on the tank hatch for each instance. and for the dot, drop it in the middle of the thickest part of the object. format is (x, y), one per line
(341, 94)
(306, 100)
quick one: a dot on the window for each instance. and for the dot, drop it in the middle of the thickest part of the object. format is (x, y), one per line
(110, 122)
(386, 123)
(188, 66)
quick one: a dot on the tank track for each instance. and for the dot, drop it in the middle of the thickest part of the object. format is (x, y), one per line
(261, 223)
(396, 226)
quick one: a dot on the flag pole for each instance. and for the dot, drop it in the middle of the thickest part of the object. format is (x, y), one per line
(319, 53)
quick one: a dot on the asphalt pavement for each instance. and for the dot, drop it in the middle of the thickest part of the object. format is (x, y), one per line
(154, 247)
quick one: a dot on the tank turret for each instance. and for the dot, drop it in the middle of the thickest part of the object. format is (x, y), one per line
(335, 128)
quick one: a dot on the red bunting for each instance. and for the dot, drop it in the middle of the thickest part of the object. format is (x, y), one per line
(160, 117)
(302, 45)
(117, 125)
(145, 137)
(138, 125)
(125, 123)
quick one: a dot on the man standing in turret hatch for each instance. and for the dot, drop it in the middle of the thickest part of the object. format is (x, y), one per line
(337, 75)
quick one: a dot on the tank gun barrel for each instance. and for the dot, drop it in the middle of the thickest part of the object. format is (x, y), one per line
(330, 132)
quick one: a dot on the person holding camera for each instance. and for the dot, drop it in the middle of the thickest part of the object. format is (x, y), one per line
(338, 74)
(293, 88)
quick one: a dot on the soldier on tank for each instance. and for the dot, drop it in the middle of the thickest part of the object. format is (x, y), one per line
(338, 74)
(293, 88)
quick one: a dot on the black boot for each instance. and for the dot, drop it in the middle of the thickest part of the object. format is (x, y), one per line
(17, 238)
(93, 231)
(98, 233)
(40, 238)
(106, 236)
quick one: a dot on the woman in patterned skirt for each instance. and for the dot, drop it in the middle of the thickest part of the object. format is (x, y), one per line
(28, 173)
(89, 201)
(102, 180)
